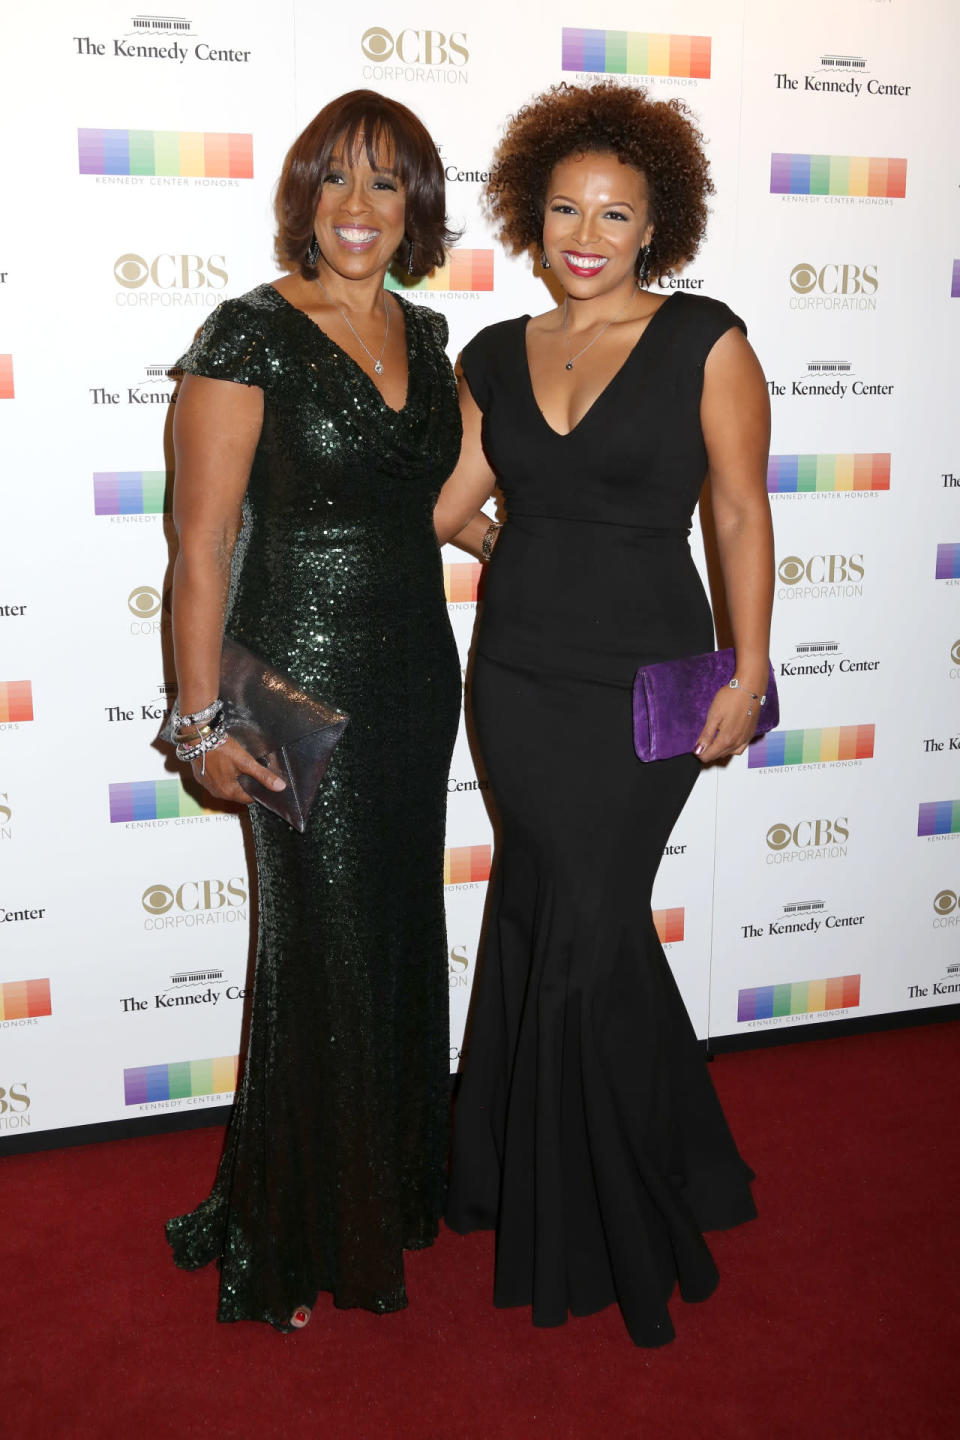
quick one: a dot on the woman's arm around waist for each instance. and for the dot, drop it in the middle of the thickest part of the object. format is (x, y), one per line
(458, 517)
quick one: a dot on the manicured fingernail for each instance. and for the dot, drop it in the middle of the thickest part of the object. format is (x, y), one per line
(699, 749)
(279, 784)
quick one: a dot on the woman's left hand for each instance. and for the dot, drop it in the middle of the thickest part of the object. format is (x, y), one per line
(730, 725)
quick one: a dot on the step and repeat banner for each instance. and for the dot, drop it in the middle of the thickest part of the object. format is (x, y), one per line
(816, 878)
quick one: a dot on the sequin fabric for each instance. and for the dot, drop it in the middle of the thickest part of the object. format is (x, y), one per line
(335, 1156)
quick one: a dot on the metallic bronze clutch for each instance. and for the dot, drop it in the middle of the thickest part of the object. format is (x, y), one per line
(290, 732)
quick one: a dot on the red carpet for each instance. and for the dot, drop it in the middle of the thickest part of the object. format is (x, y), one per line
(836, 1316)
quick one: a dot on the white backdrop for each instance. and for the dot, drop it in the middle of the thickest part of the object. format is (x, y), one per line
(817, 882)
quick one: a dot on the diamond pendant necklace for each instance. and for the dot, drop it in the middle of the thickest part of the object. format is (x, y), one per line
(571, 358)
(377, 359)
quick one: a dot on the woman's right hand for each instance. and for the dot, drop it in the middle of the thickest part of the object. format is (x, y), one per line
(224, 765)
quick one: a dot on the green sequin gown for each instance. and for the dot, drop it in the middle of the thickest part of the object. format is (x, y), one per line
(335, 1157)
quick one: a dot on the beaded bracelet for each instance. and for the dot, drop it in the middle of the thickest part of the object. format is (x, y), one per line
(209, 712)
(211, 738)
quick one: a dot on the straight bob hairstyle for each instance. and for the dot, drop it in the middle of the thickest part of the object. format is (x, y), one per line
(394, 139)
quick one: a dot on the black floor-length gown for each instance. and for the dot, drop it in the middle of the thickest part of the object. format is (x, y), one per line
(336, 1153)
(587, 1129)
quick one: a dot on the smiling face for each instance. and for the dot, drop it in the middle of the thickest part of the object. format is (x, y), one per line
(596, 219)
(361, 212)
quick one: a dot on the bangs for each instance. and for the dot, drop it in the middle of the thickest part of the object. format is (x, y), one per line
(366, 129)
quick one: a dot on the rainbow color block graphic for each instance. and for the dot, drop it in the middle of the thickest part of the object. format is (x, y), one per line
(464, 270)
(151, 800)
(16, 701)
(948, 562)
(838, 175)
(460, 582)
(807, 474)
(801, 997)
(807, 747)
(6, 377)
(939, 817)
(955, 282)
(466, 864)
(206, 154)
(180, 1080)
(24, 999)
(669, 925)
(130, 492)
(633, 52)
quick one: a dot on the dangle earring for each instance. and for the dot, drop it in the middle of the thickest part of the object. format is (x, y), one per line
(544, 262)
(410, 260)
(313, 250)
(643, 273)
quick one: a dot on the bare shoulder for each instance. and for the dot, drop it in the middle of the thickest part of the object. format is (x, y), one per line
(544, 324)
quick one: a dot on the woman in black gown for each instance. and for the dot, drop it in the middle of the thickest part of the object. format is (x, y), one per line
(314, 429)
(587, 1130)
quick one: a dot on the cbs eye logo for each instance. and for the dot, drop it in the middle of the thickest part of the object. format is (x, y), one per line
(377, 44)
(130, 271)
(955, 652)
(157, 899)
(803, 278)
(779, 837)
(945, 902)
(144, 602)
(791, 569)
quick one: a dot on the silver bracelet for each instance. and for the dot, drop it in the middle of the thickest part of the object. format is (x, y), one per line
(189, 750)
(735, 685)
(209, 712)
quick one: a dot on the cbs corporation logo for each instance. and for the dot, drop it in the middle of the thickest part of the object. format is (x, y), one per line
(820, 839)
(195, 902)
(170, 280)
(446, 54)
(820, 577)
(955, 652)
(834, 280)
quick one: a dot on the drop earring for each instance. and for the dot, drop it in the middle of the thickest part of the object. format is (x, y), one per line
(643, 272)
(313, 250)
(544, 262)
(410, 259)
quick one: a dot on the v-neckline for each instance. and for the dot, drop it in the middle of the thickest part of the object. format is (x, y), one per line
(355, 363)
(566, 434)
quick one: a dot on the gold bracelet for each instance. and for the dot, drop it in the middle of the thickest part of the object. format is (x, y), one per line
(488, 542)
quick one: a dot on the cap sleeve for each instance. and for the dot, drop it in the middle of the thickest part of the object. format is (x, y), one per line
(724, 319)
(437, 323)
(474, 363)
(231, 346)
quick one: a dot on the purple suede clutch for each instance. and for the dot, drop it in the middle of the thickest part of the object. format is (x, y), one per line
(671, 700)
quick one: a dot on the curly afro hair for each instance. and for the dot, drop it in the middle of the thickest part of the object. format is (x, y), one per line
(657, 137)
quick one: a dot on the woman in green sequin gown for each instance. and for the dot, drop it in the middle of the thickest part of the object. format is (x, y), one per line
(335, 1156)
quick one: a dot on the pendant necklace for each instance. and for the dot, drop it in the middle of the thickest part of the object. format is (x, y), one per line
(571, 358)
(377, 359)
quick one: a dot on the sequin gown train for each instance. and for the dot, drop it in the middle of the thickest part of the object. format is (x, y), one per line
(335, 1155)
(587, 1130)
